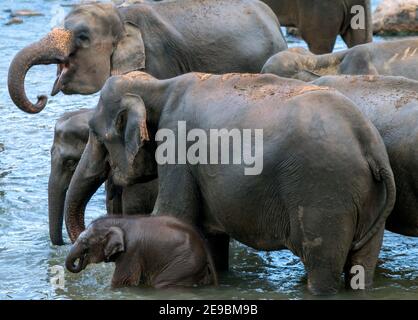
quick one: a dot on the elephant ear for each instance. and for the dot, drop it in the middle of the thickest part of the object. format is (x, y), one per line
(129, 54)
(114, 242)
(135, 124)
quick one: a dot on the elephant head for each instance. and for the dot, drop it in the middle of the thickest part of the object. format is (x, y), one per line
(294, 63)
(94, 44)
(119, 142)
(100, 242)
(70, 138)
(299, 63)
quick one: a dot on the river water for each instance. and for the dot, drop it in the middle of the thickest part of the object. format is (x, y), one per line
(26, 255)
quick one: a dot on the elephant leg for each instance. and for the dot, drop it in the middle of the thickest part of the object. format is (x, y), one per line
(363, 259)
(355, 37)
(320, 45)
(219, 248)
(320, 40)
(324, 266)
(323, 239)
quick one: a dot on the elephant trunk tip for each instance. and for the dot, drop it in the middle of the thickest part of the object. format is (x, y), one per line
(72, 266)
(57, 240)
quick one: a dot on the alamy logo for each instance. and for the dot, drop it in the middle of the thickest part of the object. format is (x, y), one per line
(57, 280)
(358, 278)
(358, 22)
(211, 147)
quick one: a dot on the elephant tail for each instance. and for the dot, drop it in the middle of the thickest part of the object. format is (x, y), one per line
(385, 175)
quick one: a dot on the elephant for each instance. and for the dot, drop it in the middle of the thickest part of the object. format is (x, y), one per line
(161, 252)
(322, 186)
(388, 58)
(70, 139)
(320, 22)
(391, 103)
(165, 38)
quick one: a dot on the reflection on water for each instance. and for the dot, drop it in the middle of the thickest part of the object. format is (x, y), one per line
(26, 255)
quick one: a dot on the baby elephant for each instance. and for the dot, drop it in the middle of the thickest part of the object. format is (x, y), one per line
(157, 251)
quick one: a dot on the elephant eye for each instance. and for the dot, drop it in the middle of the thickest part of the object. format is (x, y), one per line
(83, 39)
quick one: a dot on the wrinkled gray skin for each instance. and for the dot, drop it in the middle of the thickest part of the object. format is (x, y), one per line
(158, 251)
(320, 22)
(326, 187)
(70, 139)
(388, 58)
(391, 103)
(164, 38)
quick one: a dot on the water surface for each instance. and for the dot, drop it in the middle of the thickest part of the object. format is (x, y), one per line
(26, 254)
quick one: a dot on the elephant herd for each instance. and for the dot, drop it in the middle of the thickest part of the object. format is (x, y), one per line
(339, 135)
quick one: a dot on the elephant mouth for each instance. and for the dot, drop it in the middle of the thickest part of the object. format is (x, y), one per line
(62, 70)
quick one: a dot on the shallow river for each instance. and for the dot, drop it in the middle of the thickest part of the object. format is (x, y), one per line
(26, 255)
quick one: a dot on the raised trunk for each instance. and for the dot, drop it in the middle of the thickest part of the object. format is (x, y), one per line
(54, 48)
(91, 172)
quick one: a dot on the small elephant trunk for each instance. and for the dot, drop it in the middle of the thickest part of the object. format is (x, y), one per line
(76, 253)
(54, 48)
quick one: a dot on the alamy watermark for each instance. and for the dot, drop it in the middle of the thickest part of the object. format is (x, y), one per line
(358, 276)
(358, 21)
(213, 146)
(57, 280)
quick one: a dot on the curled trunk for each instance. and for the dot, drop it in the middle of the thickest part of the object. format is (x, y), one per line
(54, 48)
(76, 253)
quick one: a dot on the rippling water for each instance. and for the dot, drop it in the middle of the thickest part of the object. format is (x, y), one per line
(26, 254)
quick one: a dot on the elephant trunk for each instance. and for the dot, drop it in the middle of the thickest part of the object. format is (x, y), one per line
(56, 199)
(76, 253)
(92, 171)
(76, 201)
(54, 48)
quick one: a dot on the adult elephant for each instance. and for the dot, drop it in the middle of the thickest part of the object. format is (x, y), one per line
(70, 139)
(391, 103)
(388, 58)
(164, 38)
(320, 22)
(323, 186)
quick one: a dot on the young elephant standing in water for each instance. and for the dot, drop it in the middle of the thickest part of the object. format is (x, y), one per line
(322, 186)
(158, 251)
